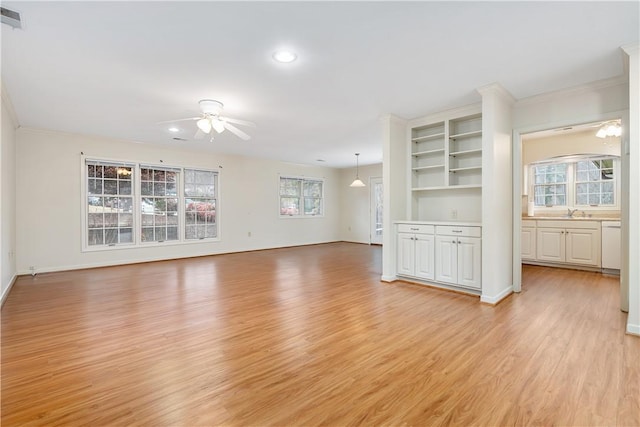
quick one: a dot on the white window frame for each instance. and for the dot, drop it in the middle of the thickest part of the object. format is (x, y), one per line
(301, 211)
(571, 184)
(137, 201)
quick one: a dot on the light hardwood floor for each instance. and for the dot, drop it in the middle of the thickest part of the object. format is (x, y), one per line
(310, 336)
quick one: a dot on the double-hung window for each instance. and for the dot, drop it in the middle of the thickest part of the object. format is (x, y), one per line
(200, 188)
(130, 204)
(595, 183)
(159, 203)
(109, 203)
(550, 184)
(301, 197)
(583, 182)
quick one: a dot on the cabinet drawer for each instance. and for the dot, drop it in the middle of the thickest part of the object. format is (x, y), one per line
(448, 230)
(415, 228)
(528, 223)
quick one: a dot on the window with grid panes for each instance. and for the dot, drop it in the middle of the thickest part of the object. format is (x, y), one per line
(109, 201)
(200, 196)
(595, 182)
(550, 184)
(159, 204)
(301, 197)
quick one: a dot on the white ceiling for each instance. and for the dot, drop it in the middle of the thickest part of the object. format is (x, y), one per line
(116, 69)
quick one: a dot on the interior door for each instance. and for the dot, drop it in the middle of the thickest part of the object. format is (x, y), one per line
(376, 211)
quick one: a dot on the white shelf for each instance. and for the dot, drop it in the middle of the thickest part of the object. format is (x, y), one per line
(419, 168)
(474, 168)
(427, 152)
(466, 134)
(447, 187)
(427, 137)
(465, 152)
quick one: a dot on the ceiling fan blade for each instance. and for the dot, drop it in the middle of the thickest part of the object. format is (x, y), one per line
(179, 120)
(199, 134)
(238, 122)
(237, 132)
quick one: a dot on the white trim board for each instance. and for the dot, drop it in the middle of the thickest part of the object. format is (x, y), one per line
(5, 294)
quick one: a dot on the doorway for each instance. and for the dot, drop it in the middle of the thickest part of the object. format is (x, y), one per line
(550, 181)
(376, 211)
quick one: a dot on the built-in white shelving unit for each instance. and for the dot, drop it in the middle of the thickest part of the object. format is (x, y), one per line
(446, 165)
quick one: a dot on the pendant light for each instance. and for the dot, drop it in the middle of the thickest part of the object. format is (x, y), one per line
(357, 182)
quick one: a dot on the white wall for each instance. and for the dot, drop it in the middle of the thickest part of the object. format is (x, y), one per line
(394, 180)
(8, 198)
(49, 202)
(355, 211)
(497, 204)
(585, 142)
(632, 275)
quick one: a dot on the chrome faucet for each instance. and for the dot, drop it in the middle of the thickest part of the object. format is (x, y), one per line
(571, 212)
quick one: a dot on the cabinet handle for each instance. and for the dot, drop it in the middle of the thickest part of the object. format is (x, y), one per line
(457, 231)
(459, 242)
(453, 241)
(415, 229)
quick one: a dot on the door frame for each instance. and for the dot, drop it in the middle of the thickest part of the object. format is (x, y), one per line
(372, 214)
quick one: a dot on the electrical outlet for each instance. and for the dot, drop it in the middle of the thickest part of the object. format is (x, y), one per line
(454, 214)
(249, 234)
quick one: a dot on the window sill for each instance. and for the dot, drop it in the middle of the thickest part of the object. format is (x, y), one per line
(145, 245)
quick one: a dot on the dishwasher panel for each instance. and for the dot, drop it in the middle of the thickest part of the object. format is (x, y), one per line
(611, 245)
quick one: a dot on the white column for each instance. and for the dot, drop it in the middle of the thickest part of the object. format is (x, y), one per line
(394, 182)
(633, 319)
(497, 204)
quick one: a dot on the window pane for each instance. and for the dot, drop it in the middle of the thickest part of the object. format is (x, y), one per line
(145, 174)
(171, 176)
(96, 237)
(159, 175)
(110, 236)
(125, 220)
(289, 206)
(110, 186)
(124, 187)
(126, 235)
(290, 187)
(110, 172)
(146, 188)
(147, 234)
(313, 189)
(158, 189)
(96, 220)
(312, 206)
(94, 186)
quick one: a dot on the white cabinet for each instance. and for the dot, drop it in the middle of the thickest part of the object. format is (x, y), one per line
(569, 242)
(458, 256)
(611, 245)
(415, 257)
(528, 240)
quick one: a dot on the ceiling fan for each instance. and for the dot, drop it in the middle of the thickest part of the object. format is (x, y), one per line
(211, 120)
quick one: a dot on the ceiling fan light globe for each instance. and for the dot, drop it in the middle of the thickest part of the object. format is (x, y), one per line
(204, 125)
(218, 125)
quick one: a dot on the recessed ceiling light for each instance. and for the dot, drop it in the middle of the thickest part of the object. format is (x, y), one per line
(174, 129)
(284, 56)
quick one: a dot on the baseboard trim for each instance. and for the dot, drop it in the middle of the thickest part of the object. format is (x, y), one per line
(5, 294)
(633, 329)
(493, 300)
(388, 278)
(115, 263)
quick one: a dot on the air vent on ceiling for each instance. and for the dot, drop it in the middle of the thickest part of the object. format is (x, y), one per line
(177, 138)
(11, 17)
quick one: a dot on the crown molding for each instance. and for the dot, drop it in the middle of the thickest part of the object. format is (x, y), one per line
(498, 89)
(575, 90)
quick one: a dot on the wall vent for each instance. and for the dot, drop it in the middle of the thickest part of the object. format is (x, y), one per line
(11, 17)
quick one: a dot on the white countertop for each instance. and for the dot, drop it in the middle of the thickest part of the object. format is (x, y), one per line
(564, 218)
(454, 223)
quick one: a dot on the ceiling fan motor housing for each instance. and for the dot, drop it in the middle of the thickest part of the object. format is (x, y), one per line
(209, 106)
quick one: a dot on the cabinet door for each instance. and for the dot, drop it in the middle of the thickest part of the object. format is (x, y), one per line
(528, 243)
(406, 254)
(424, 244)
(550, 243)
(469, 262)
(446, 259)
(583, 247)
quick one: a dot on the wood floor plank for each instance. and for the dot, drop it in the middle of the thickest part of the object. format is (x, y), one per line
(310, 336)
